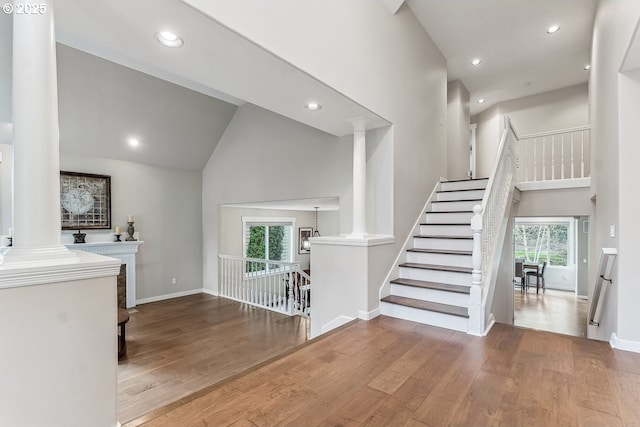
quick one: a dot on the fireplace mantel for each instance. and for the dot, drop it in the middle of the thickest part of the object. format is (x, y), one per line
(125, 252)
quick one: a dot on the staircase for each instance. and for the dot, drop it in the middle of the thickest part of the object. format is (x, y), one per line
(434, 282)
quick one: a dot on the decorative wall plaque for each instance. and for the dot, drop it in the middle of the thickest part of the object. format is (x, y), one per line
(85, 201)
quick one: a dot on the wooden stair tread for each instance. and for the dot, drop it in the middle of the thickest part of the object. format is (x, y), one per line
(463, 189)
(443, 236)
(433, 285)
(446, 223)
(441, 251)
(427, 305)
(454, 201)
(437, 267)
(465, 180)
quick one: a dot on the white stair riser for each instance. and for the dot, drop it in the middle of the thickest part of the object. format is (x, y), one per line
(448, 260)
(446, 230)
(448, 218)
(464, 185)
(438, 276)
(432, 295)
(459, 205)
(435, 243)
(460, 195)
(425, 317)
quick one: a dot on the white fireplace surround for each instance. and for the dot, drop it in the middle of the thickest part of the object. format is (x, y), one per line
(125, 252)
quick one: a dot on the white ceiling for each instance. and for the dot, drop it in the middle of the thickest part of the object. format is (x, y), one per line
(213, 60)
(511, 39)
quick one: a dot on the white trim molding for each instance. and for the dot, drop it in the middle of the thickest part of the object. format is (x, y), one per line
(620, 344)
(335, 323)
(170, 296)
(344, 240)
(368, 315)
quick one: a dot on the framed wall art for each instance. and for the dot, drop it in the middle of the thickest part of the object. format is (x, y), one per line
(304, 246)
(85, 201)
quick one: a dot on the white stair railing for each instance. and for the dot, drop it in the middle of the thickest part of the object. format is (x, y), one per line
(272, 285)
(489, 227)
(555, 155)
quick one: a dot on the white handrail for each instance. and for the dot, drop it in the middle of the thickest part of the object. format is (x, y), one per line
(489, 227)
(607, 258)
(554, 132)
(273, 285)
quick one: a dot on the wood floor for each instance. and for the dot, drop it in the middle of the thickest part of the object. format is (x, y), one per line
(390, 372)
(179, 346)
(554, 311)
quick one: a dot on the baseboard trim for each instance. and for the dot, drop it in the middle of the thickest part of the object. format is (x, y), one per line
(368, 315)
(626, 345)
(169, 296)
(335, 323)
(210, 292)
(492, 321)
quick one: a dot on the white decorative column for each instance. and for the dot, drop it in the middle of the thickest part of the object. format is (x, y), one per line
(36, 165)
(359, 179)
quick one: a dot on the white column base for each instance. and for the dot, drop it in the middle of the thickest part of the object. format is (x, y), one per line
(47, 255)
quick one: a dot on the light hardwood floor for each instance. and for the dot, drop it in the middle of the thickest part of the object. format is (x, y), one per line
(554, 311)
(179, 346)
(390, 372)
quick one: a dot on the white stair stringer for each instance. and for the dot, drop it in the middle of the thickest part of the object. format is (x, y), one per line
(433, 283)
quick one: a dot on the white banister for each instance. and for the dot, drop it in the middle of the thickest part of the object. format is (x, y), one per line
(273, 285)
(534, 144)
(488, 228)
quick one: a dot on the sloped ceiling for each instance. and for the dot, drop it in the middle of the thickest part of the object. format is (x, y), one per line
(102, 104)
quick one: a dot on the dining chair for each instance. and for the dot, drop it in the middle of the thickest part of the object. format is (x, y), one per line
(519, 274)
(539, 275)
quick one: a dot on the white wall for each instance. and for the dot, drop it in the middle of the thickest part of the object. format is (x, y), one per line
(6, 62)
(387, 63)
(232, 234)
(615, 23)
(263, 157)
(488, 135)
(558, 109)
(561, 202)
(628, 232)
(166, 204)
(59, 360)
(458, 134)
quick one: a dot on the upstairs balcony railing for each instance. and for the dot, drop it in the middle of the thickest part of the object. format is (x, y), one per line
(273, 285)
(555, 155)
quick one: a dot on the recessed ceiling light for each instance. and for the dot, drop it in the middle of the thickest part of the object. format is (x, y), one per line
(169, 39)
(587, 67)
(553, 29)
(313, 106)
(476, 61)
(133, 142)
(481, 101)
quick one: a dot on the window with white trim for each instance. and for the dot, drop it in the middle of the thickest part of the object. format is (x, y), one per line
(270, 239)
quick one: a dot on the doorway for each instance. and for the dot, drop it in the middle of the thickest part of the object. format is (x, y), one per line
(551, 288)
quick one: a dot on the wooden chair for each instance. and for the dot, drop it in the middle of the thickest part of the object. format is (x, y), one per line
(519, 274)
(539, 275)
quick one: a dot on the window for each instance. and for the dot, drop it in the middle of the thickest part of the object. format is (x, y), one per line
(540, 242)
(267, 239)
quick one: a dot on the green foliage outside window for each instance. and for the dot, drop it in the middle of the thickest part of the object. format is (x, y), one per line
(542, 242)
(262, 239)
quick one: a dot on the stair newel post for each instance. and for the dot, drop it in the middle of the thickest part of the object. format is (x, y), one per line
(476, 316)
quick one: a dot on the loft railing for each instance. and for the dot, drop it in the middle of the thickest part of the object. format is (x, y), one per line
(555, 155)
(272, 285)
(489, 225)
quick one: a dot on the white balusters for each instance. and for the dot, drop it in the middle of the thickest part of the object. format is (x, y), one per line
(272, 285)
(476, 257)
(536, 154)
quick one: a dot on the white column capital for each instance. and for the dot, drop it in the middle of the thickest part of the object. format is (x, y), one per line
(359, 124)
